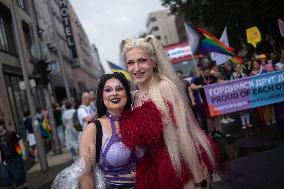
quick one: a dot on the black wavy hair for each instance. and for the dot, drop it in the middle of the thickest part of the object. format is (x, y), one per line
(101, 108)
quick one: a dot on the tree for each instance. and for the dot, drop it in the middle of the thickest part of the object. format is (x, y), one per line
(236, 15)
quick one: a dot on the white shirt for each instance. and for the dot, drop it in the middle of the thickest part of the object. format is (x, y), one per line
(82, 112)
(67, 118)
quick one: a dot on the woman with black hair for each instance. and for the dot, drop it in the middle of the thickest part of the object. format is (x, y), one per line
(104, 161)
(116, 161)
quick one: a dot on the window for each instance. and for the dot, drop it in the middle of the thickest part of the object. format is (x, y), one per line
(158, 37)
(156, 28)
(27, 35)
(152, 19)
(22, 4)
(3, 37)
(7, 43)
(17, 98)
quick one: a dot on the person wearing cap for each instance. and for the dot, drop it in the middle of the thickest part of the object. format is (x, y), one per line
(268, 111)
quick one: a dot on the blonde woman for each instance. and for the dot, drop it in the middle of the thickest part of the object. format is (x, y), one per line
(177, 153)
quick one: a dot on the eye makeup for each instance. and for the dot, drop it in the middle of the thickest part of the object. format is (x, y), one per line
(139, 61)
(109, 89)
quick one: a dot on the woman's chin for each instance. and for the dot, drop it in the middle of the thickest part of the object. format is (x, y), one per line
(115, 107)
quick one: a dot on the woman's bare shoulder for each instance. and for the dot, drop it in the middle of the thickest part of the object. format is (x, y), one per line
(103, 121)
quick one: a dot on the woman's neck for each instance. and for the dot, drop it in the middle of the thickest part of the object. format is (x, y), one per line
(144, 87)
(116, 113)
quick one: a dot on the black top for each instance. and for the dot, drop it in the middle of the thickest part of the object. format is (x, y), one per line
(57, 117)
(99, 137)
(7, 145)
(28, 124)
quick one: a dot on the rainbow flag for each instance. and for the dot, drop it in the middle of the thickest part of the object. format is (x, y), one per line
(45, 130)
(116, 68)
(19, 149)
(237, 60)
(204, 42)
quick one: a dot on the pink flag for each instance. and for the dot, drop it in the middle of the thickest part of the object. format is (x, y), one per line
(281, 27)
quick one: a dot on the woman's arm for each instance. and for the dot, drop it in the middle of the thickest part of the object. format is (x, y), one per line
(87, 151)
(191, 95)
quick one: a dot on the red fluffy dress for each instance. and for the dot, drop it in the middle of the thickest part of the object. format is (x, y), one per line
(143, 128)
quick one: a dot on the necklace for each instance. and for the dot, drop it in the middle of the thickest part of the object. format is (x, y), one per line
(112, 117)
(143, 97)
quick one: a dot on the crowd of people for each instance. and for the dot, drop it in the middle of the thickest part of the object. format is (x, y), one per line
(212, 73)
(12, 173)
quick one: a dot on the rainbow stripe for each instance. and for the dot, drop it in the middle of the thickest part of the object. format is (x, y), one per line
(237, 60)
(19, 149)
(211, 44)
(46, 129)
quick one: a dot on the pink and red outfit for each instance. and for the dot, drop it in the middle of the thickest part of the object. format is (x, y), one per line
(143, 127)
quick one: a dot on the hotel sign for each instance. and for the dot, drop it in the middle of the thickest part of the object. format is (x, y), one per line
(68, 30)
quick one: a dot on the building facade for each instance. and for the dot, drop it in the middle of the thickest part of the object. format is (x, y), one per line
(80, 70)
(13, 99)
(162, 24)
(74, 46)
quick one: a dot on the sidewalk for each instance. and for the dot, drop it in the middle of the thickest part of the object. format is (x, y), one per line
(38, 179)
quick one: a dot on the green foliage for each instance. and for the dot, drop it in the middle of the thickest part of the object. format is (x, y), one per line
(236, 15)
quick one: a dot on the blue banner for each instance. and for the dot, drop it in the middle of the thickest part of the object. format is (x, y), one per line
(245, 93)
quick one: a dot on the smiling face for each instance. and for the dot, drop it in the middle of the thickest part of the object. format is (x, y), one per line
(139, 65)
(114, 95)
(239, 68)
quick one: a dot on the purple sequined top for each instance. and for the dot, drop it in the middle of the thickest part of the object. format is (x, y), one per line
(116, 160)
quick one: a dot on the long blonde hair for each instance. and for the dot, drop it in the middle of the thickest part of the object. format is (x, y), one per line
(184, 140)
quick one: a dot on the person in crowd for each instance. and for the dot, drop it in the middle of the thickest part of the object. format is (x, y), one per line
(177, 153)
(244, 115)
(93, 101)
(256, 69)
(248, 66)
(63, 105)
(264, 65)
(57, 112)
(187, 88)
(30, 135)
(71, 135)
(268, 111)
(84, 112)
(116, 161)
(214, 70)
(214, 122)
(260, 110)
(11, 161)
(41, 118)
(225, 119)
(227, 70)
(199, 99)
